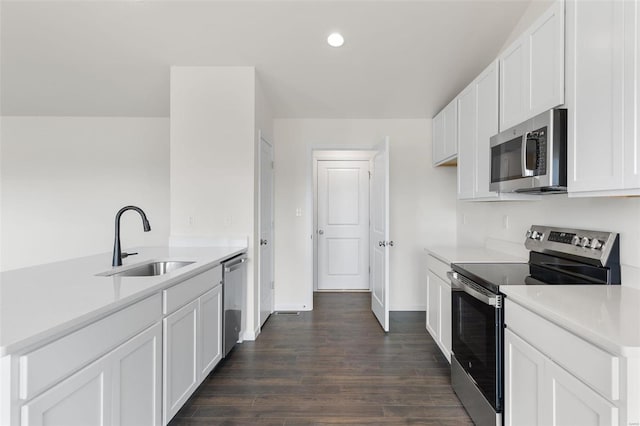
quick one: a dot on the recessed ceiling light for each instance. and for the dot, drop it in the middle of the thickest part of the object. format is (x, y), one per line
(335, 40)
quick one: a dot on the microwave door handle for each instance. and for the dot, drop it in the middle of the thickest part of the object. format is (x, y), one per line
(525, 172)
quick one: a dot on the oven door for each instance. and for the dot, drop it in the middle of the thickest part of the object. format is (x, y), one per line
(477, 333)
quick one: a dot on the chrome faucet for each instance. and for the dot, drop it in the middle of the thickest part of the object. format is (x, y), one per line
(117, 253)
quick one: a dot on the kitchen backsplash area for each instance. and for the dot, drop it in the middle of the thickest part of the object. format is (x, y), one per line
(508, 221)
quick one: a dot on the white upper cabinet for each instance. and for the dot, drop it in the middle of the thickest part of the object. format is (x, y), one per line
(532, 69)
(477, 122)
(602, 90)
(445, 134)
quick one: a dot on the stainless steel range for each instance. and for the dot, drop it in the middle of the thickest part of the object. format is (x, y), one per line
(557, 256)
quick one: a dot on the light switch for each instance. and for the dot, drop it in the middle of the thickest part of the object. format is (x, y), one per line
(298, 212)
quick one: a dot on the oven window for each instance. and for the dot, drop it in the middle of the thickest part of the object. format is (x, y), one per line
(506, 160)
(477, 343)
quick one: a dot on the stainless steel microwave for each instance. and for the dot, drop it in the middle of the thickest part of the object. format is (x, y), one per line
(532, 156)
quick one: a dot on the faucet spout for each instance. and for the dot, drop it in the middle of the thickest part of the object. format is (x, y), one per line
(117, 251)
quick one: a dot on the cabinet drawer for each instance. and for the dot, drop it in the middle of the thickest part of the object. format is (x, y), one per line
(592, 365)
(438, 267)
(49, 364)
(180, 294)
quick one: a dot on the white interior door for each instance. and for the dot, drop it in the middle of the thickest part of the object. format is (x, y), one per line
(266, 230)
(343, 225)
(380, 242)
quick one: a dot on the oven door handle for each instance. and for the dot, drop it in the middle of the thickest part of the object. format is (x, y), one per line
(486, 298)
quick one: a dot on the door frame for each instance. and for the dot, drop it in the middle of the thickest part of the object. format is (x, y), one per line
(331, 155)
(262, 139)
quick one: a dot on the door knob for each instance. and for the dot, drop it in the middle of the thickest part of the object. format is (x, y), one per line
(320, 232)
(381, 243)
(390, 243)
(263, 242)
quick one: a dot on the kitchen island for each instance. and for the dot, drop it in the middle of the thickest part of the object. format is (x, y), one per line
(80, 344)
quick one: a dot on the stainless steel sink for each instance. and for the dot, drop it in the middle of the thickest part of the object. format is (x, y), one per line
(152, 269)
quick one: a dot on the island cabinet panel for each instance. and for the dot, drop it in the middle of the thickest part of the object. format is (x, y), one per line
(122, 387)
(41, 368)
(192, 345)
(180, 370)
(211, 330)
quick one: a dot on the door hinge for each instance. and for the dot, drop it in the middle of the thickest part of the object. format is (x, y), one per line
(369, 270)
(273, 285)
(272, 165)
(369, 174)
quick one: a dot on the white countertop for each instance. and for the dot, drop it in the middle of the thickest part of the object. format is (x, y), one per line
(607, 316)
(454, 254)
(41, 303)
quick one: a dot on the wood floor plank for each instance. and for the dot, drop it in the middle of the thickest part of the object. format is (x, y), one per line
(333, 365)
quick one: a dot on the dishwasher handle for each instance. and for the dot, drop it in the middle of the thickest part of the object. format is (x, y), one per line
(234, 264)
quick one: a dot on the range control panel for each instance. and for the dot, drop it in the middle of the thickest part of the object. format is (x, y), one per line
(594, 245)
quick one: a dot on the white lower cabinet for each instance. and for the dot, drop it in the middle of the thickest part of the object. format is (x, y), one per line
(539, 391)
(192, 347)
(438, 315)
(523, 382)
(180, 370)
(211, 330)
(571, 402)
(122, 387)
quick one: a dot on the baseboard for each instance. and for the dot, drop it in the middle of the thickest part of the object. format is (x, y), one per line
(251, 335)
(409, 308)
(291, 308)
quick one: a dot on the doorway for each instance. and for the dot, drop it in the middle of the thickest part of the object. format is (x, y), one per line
(265, 230)
(342, 220)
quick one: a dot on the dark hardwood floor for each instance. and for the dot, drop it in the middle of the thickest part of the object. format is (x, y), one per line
(333, 365)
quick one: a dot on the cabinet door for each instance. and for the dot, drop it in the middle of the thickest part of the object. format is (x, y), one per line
(445, 134)
(137, 378)
(437, 139)
(210, 331)
(82, 399)
(571, 402)
(180, 358)
(523, 382)
(632, 90)
(487, 126)
(467, 125)
(450, 130)
(595, 88)
(433, 305)
(445, 319)
(546, 64)
(514, 81)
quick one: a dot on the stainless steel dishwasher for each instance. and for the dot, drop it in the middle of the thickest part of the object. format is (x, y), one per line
(234, 278)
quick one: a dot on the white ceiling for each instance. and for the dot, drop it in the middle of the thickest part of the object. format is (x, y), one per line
(401, 59)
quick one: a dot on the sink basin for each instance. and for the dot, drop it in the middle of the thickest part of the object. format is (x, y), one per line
(152, 269)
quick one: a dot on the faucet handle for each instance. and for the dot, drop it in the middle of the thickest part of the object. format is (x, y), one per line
(125, 254)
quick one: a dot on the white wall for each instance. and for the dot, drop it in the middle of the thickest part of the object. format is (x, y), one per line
(212, 182)
(64, 179)
(422, 210)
